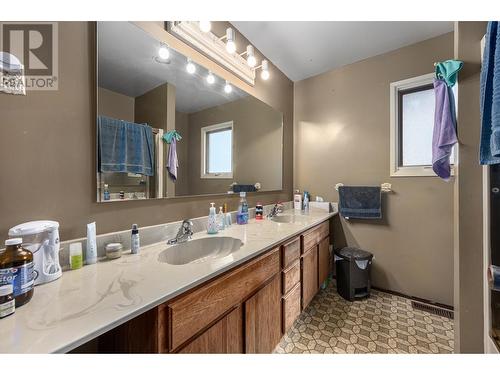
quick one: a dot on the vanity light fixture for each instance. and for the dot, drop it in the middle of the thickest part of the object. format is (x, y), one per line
(220, 48)
(228, 88)
(250, 54)
(210, 78)
(205, 26)
(229, 37)
(163, 52)
(190, 67)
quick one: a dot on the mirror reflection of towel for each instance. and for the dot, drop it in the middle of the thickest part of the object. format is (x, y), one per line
(172, 162)
(125, 146)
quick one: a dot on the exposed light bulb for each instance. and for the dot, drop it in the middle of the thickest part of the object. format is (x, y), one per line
(205, 26)
(265, 70)
(190, 67)
(251, 60)
(230, 44)
(228, 88)
(210, 78)
(164, 53)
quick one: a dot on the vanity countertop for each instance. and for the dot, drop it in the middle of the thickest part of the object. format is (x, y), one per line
(87, 302)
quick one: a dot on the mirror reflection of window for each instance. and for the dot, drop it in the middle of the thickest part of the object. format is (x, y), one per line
(218, 150)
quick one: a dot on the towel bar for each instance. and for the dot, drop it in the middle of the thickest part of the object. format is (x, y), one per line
(385, 187)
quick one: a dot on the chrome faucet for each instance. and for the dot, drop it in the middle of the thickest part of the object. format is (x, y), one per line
(185, 233)
(277, 209)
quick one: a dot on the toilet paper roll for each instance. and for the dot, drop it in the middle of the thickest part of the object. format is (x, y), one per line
(494, 277)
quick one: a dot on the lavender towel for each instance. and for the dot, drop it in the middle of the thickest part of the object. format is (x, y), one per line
(172, 162)
(444, 136)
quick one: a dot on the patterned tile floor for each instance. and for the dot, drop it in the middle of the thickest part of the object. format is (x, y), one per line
(383, 323)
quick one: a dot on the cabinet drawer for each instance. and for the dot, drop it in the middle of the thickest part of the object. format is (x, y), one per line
(196, 310)
(323, 230)
(290, 308)
(291, 276)
(315, 235)
(290, 252)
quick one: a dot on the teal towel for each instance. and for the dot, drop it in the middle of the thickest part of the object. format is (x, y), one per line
(448, 71)
(168, 136)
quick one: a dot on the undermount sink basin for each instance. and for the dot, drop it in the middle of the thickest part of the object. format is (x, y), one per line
(200, 250)
(285, 219)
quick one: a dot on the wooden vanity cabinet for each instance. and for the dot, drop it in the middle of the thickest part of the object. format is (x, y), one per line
(290, 282)
(245, 310)
(192, 313)
(323, 260)
(263, 319)
(309, 277)
(225, 336)
(315, 256)
(291, 306)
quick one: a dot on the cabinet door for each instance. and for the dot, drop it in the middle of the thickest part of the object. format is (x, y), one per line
(225, 336)
(309, 275)
(291, 307)
(323, 260)
(263, 319)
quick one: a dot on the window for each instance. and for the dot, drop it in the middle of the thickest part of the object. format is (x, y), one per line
(217, 151)
(412, 124)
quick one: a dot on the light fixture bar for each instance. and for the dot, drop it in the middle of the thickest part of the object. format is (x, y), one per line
(214, 47)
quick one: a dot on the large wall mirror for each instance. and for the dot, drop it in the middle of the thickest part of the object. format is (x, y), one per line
(167, 127)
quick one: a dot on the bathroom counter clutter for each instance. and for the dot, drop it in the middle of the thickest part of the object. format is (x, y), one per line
(90, 301)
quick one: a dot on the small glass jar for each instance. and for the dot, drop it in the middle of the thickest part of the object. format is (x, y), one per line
(114, 250)
(7, 301)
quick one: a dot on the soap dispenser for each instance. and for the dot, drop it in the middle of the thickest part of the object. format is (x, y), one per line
(221, 219)
(212, 226)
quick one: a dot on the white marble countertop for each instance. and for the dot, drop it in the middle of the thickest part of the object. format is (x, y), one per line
(87, 302)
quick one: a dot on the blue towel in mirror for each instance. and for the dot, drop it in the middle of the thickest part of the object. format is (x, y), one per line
(125, 146)
(360, 202)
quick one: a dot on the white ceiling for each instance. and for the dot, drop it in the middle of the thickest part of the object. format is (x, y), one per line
(304, 49)
(127, 65)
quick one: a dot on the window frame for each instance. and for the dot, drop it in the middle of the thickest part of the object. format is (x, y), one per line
(396, 167)
(204, 157)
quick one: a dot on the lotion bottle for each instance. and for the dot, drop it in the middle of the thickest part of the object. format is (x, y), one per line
(212, 226)
(221, 219)
(91, 250)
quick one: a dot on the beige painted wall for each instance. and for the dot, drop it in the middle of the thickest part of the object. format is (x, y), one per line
(342, 135)
(151, 107)
(468, 194)
(52, 175)
(257, 156)
(115, 105)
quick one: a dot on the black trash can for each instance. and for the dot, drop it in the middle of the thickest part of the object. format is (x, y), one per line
(353, 269)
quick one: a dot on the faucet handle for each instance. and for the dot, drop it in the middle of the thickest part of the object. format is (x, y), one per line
(187, 226)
